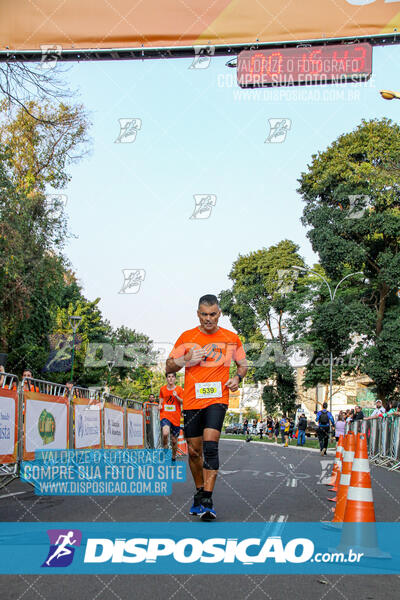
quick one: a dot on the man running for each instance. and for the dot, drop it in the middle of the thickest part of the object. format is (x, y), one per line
(206, 352)
(171, 397)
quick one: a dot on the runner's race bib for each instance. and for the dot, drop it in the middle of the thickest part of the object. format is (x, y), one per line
(208, 389)
(170, 407)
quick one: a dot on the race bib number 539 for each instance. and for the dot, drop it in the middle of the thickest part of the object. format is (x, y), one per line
(209, 389)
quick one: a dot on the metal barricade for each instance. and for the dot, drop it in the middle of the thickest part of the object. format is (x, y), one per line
(375, 442)
(395, 444)
(153, 428)
(45, 403)
(135, 428)
(384, 429)
(383, 436)
(10, 412)
(114, 419)
(85, 418)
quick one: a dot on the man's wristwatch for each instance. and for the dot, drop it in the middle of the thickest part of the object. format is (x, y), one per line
(240, 377)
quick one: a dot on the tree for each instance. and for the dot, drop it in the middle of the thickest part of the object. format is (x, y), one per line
(281, 396)
(263, 282)
(42, 149)
(92, 328)
(352, 207)
(34, 276)
(22, 83)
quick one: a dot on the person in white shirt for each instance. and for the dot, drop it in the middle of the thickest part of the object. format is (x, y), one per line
(379, 411)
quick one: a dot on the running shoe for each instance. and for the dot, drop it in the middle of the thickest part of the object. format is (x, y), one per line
(197, 507)
(208, 513)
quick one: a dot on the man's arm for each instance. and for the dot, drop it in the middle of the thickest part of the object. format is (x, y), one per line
(374, 415)
(242, 368)
(177, 397)
(190, 359)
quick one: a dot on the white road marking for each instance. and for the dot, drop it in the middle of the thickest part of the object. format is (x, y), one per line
(291, 482)
(279, 524)
(13, 494)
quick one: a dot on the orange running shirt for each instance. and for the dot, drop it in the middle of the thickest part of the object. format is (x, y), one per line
(170, 407)
(222, 348)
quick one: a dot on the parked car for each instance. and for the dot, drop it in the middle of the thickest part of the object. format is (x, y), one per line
(234, 428)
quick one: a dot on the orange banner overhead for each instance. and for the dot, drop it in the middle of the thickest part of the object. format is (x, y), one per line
(104, 24)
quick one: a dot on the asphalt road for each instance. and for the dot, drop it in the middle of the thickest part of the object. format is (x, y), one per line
(257, 482)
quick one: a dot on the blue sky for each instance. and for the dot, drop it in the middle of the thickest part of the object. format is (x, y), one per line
(129, 204)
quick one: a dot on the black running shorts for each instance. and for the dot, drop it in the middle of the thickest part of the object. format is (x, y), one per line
(196, 420)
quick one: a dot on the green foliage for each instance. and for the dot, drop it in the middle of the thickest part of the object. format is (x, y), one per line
(250, 413)
(264, 284)
(38, 290)
(282, 396)
(42, 148)
(352, 209)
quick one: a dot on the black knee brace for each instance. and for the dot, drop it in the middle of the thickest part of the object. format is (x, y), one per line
(211, 459)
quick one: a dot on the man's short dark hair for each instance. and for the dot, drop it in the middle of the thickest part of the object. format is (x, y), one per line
(209, 300)
(166, 374)
(325, 405)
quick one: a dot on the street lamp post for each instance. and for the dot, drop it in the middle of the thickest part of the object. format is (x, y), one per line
(332, 295)
(74, 322)
(110, 365)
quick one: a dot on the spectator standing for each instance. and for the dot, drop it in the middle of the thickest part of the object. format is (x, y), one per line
(270, 427)
(276, 430)
(301, 430)
(393, 411)
(245, 426)
(358, 414)
(282, 427)
(379, 411)
(340, 425)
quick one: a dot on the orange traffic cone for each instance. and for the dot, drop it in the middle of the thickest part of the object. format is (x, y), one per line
(182, 445)
(344, 482)
(360, 504)
(339, 454)
(359, 529)
(337, 466)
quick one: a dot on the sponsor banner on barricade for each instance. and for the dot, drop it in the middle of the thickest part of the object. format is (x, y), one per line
(174, 548)
(135, 428)
(46, 423)
(113, 423)
(8, 425)
(87, 422)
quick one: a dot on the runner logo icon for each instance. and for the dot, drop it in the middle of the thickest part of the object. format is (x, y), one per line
(61, 551)
(212, 352)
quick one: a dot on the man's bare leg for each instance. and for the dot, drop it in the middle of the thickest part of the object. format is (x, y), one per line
(165, 436)
(174, 444)
(195, 449)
